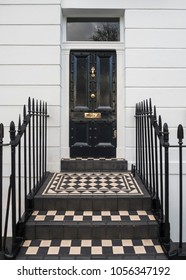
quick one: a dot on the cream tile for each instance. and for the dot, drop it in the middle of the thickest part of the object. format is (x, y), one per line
(87, 213)
(142, 213)
(78, 218)
(26, 243)
(124, 213)
(32, 250)
(75, 251)
(127, 242)
(139, 250)
(35, 213)
(54, 250)
(147, 242)
(159, 249)
(66, 243)
(51, 213)
(96, 218)
(105, 213)
(40, 218)
(96, 250)
(115, 218)
(134, 218)
(86, 243)
(45, 243)
(151, 218)
(59, 218)
(106, 243)
(69, 213)
(117, 250)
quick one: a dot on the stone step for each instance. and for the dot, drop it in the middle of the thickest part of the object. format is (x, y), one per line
(39, 249)
(91, 224)
(92, 165)
(92, 191)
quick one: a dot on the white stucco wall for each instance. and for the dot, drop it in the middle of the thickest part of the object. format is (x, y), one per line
(32, 63)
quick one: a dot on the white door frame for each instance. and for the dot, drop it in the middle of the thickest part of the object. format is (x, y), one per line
(119, 48)
(66, 47)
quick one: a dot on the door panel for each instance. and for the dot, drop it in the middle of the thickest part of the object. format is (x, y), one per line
(93, 104)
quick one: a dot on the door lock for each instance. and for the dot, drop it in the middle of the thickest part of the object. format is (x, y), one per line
(93, 96)
(115, 134)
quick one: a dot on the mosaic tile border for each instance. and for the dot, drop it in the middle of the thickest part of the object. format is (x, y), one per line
(92, 216)
(92, 184)
(90, 247)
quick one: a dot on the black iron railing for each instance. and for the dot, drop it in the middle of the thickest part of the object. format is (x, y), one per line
(27, 151)
(152, 165)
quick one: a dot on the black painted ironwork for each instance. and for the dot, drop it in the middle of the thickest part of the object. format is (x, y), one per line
(28, 157)
(152, 165)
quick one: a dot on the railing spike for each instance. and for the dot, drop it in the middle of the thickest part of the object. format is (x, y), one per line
(180, 133)
(147, 105)
(150, 105)
(12, 131)
(155, 116)
(33, 105)
(166, 133)
(160, 123)
(24, 113)
(29, 105)
(19, 124)
(1, 131)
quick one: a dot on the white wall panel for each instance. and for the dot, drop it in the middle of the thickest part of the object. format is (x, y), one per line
(29, 2)
(155, 19)
(32, 14)
(166, 114)
(18, 95)
(29, 55)
(155, 38)
(29, 35)
(156, 77)
(161, 97)
(54, 136)
(30, 75)
(173, 58)
(135, 4)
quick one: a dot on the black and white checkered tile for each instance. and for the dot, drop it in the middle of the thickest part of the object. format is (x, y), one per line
(89, 247)
(92, 216)
(92, 184)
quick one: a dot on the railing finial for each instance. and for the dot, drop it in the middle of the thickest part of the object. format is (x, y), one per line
(180, 133)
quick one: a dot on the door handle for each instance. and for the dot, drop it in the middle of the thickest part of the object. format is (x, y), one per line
(93, 96)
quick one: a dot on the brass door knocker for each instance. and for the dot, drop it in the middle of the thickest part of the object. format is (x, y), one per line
(93, 72)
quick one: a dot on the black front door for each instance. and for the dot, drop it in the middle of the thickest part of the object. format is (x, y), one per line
(93, 104)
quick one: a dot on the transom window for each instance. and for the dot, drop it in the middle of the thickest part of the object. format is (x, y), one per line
(93, 29)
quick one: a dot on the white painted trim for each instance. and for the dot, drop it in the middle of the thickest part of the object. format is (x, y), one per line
(120, 52)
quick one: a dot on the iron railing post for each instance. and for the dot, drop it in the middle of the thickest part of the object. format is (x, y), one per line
(180, 136)
(161, 169)
(166, 148)
(1, 184)
(13, 180)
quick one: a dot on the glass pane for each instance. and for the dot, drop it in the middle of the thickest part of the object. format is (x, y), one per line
(93, 29)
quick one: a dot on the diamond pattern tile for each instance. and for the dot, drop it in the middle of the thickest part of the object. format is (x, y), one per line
(92, 184)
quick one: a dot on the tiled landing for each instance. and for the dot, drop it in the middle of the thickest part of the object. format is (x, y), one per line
(91, 249)
(92, 184)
